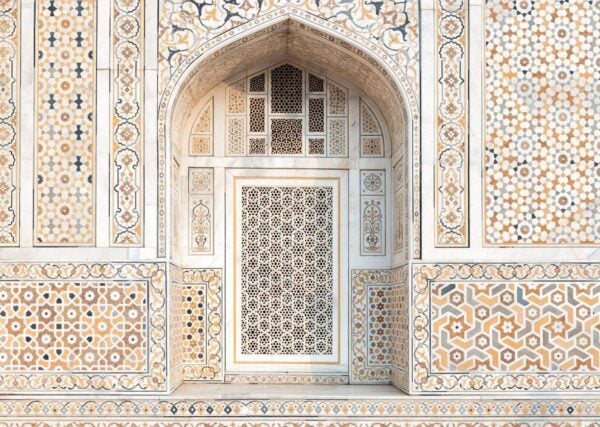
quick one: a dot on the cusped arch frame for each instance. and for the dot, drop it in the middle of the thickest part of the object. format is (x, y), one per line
(344, 39)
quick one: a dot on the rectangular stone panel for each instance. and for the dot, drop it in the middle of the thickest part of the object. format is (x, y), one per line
(503, 327)
(9, 132)
(542, 162)
(127, 148)
(64, 195)
(82, 327)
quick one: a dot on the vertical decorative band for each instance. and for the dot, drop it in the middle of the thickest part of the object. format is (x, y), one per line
(65, 123)
(9, 116)
(127, 147)
(451, 122)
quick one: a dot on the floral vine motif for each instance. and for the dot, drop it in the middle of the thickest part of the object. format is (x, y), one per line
(127, 181)
(185, 24)
(451, 168)
(9, 102)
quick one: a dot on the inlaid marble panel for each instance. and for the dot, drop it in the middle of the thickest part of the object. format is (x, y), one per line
(198, 303)
(502, 327)
(400, 329)
(200, 216)
(9, 132)
(82, 327)
(372, 321)
(373, 212)
(127, 148)
(65, 86)
(451, 124)
(542, 173)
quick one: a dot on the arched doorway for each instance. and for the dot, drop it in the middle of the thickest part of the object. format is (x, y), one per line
(271, 136)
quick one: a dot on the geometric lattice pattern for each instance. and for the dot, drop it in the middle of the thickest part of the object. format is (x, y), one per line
(542, 162)
(371, 326)
(287, 265)
(65, 326)
(515, 326)
(291, 113)
(9, 115)
(127, 180)
(501, 327)
(65, 123)
(451, 145)
(201, 136)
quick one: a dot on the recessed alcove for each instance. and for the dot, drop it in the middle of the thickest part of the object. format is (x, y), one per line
(289, 214)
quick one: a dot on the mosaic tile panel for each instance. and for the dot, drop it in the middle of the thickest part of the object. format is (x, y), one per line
(451, 409)
(373, 218)
(201, 56)
(127, 148)
(371, 326)
(506, 327)
(64, 201)
(9, 116)
(91, 327)
(451, 121)
(542, 127)
(199, 300)
(201, 223)
(77, 327)
(400, 327)
(515, 326)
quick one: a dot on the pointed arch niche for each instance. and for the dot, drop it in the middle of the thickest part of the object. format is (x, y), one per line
(289, 174)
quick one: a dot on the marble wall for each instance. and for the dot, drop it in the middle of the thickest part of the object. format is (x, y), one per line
(476, 270)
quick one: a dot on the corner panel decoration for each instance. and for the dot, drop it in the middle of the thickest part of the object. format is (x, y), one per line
(371, 136)
(83, 327)
(286, 111)
(9, 117)
(371, 326)
(127, 132)
(286, 266)
(65, 76)
(506, 327)
(200, 217)
(451, 124)
(198, 305)
(542, 160)
(372, 209)
(202, 133)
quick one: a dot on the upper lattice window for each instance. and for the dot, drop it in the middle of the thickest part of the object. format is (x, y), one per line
(286, 111)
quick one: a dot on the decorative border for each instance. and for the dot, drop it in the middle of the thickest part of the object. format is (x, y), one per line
(413, 407)
(426, 381)
(127, 125)
(213, 281)
(361, 371)
(9, 126)
(152, 380)
(451, 123)
(405, 82)
(286, 379)
(281, 422)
